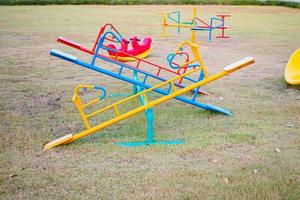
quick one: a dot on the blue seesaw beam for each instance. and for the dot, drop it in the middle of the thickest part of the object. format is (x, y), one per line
(142, 84)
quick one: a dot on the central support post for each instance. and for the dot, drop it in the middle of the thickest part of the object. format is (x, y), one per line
(149, 113)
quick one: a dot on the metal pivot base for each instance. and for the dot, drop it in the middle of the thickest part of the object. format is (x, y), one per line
(150, 130)
(150, 135)
(146, 143)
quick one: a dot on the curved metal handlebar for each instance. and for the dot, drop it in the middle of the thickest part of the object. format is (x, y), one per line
(103, 95)
(174, 65)
(91, 87)
(170, 59)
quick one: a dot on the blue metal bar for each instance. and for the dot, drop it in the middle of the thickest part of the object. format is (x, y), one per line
(190, 79)
(201, 76)
(174, 20)
(145, 78)
(149, 113)
(120, 70)
(101, 42)
(103, 95)
(73, 59)
(210, 29)
(169, 89)
(217, 19)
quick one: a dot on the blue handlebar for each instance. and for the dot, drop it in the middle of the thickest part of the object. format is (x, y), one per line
(103, 95)
(170, 59)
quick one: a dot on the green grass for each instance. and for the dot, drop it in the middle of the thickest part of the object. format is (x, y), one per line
(224, 157)
(151, 2)
(236, 138)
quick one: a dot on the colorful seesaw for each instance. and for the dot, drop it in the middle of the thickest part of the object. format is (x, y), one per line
(109, 35)
(194, 23)
(169, 88)
(142, 67)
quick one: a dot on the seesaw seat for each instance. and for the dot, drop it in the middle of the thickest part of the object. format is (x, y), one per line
(239, 64)
(139, 50)
(58, 141)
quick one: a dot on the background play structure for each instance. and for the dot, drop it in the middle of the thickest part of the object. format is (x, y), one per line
(194, 24)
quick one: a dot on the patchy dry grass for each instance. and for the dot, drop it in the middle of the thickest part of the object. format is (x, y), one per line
(224, 157)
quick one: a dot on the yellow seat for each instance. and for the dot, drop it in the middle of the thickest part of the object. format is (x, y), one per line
(58, 141)
(292, 70)
(140, 56)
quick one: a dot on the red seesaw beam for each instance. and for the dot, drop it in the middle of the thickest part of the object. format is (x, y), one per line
(139, 60)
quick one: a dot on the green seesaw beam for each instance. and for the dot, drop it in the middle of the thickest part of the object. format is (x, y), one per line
(149, 104)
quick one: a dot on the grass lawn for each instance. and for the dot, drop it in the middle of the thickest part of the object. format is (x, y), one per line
(253, 154)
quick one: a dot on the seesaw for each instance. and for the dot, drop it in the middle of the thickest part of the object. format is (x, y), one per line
(147, 106)
(144, 83)
(108, 34)
(194, 23)
(292, 70)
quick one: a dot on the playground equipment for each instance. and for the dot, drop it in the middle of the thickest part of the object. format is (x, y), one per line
(108, 33)
(292, 70)
(138, 50)
(194, 23)
(170, 93)
(192, 72)
(141, 68)
(122, 53)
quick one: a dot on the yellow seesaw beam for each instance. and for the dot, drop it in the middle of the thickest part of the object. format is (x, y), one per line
(227, 70)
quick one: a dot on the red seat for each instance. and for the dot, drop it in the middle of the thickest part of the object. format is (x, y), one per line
(137, 48)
